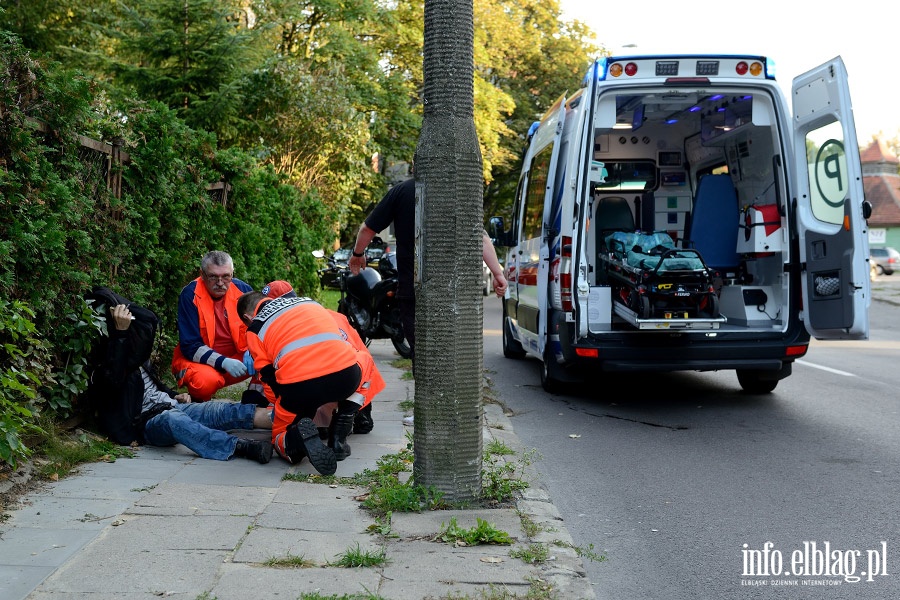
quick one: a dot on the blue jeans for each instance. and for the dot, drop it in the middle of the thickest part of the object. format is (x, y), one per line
(201, 427)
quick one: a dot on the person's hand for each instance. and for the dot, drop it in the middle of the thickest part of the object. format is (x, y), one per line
(500, 285)
(183, 398)
(357, 263)
(122, 317)
(234, 367)
(248, 363)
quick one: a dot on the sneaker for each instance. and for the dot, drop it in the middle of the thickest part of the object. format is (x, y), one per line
(408, 421)
(321, 457)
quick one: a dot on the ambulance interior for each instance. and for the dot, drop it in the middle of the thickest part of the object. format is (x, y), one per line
(705, 167)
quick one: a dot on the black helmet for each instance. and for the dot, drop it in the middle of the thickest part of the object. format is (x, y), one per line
(361, 285)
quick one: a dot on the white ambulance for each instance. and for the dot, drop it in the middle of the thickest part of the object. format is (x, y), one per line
(674, 215)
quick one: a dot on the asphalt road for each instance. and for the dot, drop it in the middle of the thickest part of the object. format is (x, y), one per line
(680, 479)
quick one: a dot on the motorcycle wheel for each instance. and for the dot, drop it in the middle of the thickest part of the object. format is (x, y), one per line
(401, 346)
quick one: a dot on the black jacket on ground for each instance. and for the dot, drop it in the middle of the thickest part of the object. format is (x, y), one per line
(116, 389)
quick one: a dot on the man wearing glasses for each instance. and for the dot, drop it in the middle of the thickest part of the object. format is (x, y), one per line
(212, 338)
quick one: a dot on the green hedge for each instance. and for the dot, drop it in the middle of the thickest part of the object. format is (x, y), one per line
(62, 231)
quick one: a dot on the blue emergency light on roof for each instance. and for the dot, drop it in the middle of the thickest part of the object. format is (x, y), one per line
(597, 69)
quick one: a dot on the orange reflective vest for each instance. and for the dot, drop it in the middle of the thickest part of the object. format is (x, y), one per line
(299, 338)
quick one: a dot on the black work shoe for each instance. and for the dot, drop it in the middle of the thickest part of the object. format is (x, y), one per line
(321, 457)
(362, 422)
(341, 426)
(259, 451)
(254, 397)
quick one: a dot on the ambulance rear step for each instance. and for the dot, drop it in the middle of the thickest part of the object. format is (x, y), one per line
(660, 324)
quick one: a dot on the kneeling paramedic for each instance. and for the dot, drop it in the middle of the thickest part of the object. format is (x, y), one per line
(299, 351)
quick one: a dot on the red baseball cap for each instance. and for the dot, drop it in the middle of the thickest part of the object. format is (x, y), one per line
(279, 288)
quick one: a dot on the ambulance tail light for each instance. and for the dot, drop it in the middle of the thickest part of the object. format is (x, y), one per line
(587, 352)
(797, 350)
(565, 275)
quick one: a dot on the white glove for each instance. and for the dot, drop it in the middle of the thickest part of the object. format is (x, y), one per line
(234, 367)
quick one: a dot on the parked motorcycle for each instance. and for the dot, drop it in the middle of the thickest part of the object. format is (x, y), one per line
(369, 301)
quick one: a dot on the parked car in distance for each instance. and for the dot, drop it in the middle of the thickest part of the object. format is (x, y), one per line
(887, 260)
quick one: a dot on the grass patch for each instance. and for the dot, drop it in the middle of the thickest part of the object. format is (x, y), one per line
(501, 477)
(382, 526)
(61, 452)
(533, 554)
(356, 557)
(582, 552)
(498, 448)
(482, 533)
(291, 561)
(329, 298)
(530, 528)
(318, 596)
(402, 363)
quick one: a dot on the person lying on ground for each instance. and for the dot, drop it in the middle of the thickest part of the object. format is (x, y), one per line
(169, 418)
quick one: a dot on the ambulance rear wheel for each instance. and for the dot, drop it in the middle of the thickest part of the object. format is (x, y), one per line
(752, 382)
(550, 384)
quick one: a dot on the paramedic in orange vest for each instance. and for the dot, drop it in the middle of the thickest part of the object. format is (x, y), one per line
(211, 336)
(299, 351)
(372, 381)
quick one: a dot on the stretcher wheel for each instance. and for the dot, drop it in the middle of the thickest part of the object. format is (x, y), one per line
(640, 304)
(712, 306)
(645, 307)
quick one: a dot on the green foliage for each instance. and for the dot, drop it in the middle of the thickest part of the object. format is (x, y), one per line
(71, 380)
(24, 358)
(63, 231)
(482, 533)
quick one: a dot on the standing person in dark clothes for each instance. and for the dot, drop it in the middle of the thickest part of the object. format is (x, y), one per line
(399, 206)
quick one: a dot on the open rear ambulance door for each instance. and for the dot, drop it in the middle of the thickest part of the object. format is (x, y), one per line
(834, 244)
(553, 121)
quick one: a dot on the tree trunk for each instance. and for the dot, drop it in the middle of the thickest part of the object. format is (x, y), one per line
(449, 309)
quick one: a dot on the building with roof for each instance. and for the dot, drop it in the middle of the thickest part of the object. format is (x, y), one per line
(881, 183)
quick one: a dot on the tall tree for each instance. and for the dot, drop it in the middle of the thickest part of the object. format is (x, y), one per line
(192, 55)
(534, 57)
(449, 310)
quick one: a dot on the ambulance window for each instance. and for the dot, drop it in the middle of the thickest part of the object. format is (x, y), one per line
(535, 194)
(629, 176)
(828, 176)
